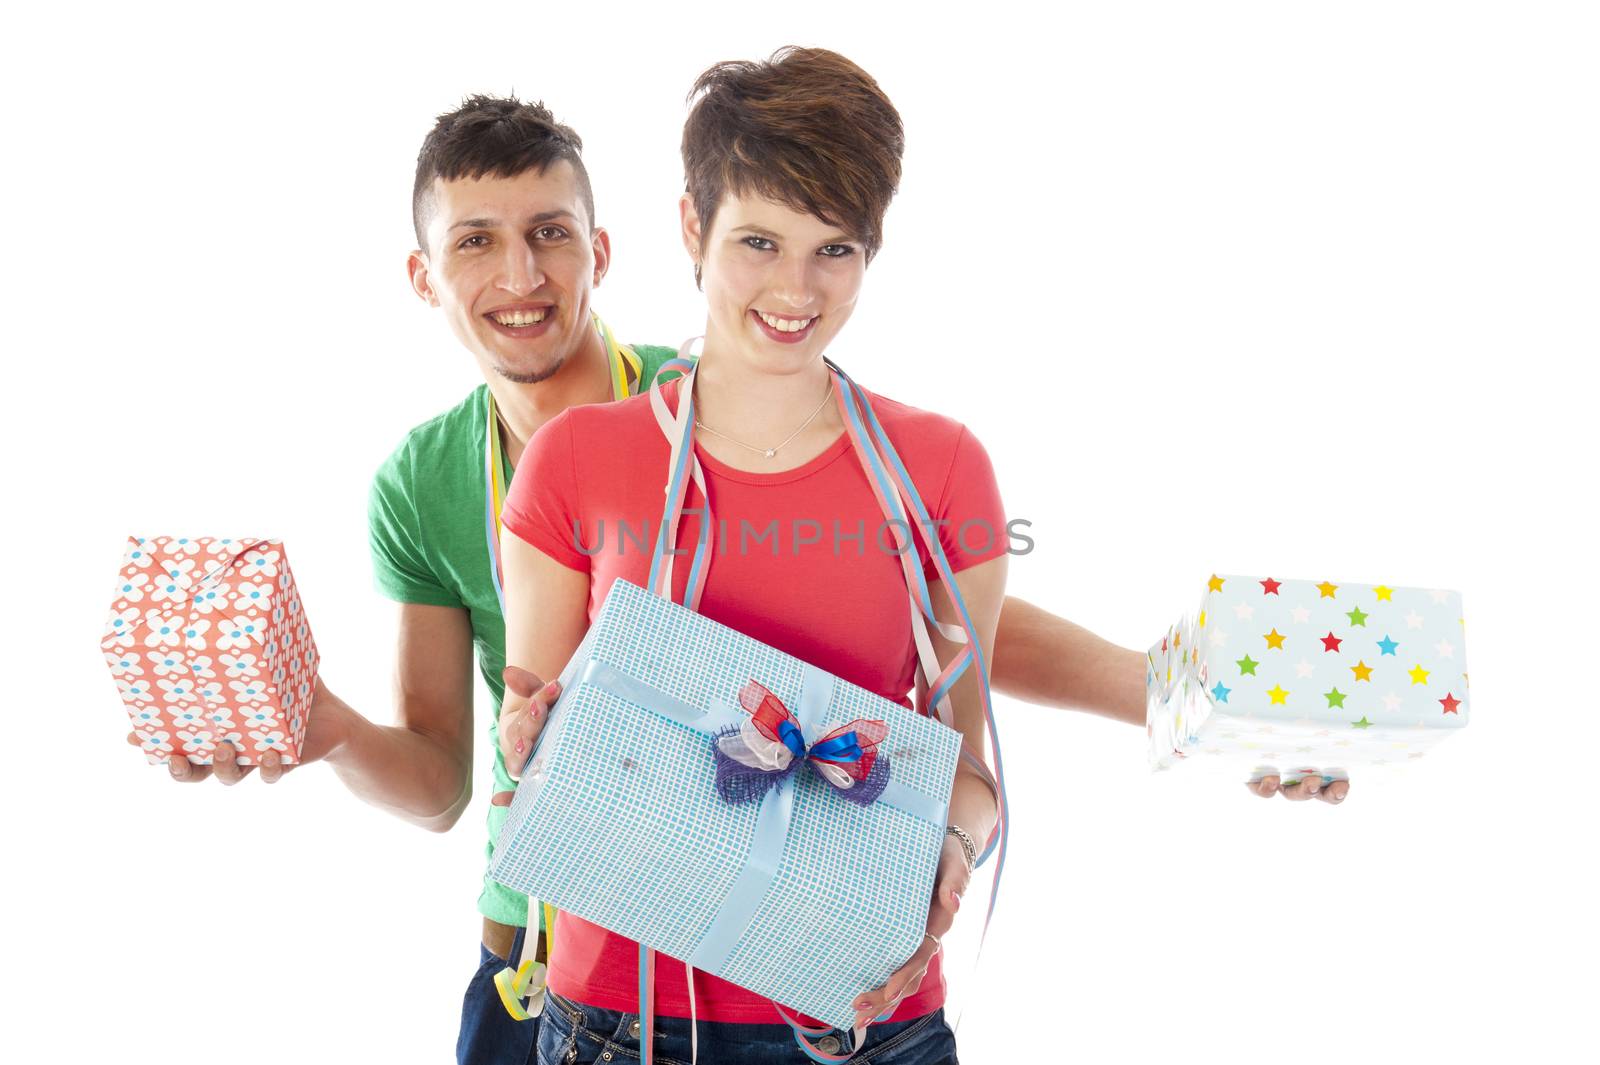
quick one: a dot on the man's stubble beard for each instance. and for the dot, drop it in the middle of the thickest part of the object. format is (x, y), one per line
(531, 378)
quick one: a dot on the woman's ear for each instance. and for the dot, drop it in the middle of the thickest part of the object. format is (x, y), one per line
(690, 224)
(690, 220)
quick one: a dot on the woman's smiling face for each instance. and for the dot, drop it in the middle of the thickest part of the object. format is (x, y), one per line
(779, 283)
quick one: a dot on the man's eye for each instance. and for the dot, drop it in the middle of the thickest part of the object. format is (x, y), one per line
(477, 240)
(837, 251)
(759, 243)
(550, 233)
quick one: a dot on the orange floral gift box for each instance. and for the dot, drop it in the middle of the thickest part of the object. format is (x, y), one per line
(208, 644)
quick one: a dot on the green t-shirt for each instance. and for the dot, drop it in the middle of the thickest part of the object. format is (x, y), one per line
(425, 523)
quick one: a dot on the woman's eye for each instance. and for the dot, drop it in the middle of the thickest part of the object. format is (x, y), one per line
(837, 251)
(759, 243)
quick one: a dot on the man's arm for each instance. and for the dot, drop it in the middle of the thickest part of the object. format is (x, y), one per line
(419, 768)
(1042, 659)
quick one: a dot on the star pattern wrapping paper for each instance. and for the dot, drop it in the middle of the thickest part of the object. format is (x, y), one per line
(1299, 674)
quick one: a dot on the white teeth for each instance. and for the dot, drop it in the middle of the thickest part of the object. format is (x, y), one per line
(786, 325)
(520, 318)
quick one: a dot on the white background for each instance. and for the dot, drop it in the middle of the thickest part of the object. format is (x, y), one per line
(1297, 289)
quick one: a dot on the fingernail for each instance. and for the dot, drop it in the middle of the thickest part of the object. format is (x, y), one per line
(550, 689)
(955, 899)
(519, 746)
(862, 1003)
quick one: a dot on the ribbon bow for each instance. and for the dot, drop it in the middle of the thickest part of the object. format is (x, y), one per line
(759, 754)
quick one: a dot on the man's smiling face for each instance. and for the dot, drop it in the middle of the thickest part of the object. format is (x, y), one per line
(512, 261)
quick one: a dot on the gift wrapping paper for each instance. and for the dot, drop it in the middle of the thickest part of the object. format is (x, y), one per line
(1299, 674)
(208, 643)
(803, 897)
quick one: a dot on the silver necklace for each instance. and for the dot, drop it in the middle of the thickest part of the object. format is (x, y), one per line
(769, 452)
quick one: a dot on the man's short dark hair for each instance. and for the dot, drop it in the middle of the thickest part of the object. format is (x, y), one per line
(493, 136)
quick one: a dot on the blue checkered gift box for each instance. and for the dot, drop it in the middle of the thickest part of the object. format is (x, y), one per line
(1303, 674)
(802, 897)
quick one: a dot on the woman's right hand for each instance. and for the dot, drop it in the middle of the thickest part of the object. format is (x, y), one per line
(523, 712)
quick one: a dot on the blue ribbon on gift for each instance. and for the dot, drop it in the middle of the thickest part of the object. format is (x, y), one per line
(777, 806)
(845, 748)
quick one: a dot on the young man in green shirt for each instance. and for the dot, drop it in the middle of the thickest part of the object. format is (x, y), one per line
(509, 251)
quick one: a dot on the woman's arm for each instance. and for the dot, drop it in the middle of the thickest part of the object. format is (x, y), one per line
(547, 614)
(974, 807)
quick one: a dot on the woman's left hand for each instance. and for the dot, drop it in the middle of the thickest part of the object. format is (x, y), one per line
(950, 884)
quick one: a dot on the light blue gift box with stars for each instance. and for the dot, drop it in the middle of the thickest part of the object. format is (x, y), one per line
(1299, 674)
(802, 897)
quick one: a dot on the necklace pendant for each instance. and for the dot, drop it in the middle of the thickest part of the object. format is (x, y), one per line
(771, 451)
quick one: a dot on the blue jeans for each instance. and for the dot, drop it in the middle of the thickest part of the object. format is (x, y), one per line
(574, 1034)
(490, 1035)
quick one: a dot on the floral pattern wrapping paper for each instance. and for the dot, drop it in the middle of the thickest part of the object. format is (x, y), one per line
(1297, 674)
(208, 643)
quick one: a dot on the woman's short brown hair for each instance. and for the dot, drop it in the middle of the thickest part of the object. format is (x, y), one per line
(807, 128)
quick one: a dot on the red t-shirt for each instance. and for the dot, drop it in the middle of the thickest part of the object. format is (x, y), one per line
(802, 562)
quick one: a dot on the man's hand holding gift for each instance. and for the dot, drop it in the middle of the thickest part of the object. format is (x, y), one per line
(326, 730)
(1313, 785)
